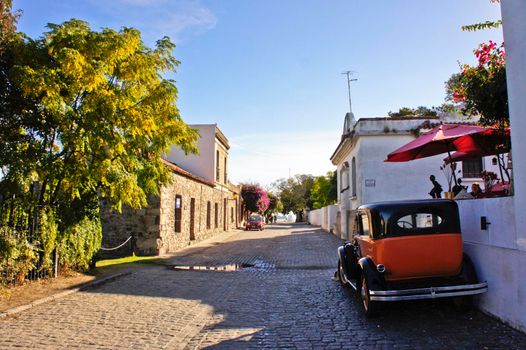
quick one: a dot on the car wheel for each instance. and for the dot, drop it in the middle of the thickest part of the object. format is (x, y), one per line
(469, 275)
(341, 276)
(370, 307)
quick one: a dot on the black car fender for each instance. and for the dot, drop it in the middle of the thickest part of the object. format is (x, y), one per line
(343, 260)
(348, 260)
(375, 279)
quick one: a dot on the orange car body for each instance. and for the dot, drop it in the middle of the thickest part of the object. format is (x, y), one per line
(407, 250)
(413, 257)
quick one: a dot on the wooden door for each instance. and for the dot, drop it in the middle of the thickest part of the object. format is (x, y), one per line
(192, 219)
(225, 226)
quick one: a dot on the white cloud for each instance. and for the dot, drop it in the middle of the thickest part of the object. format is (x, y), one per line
(190, 17)
(266, 157)
(157, 18)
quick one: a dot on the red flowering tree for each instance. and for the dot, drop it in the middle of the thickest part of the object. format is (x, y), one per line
(255, 198)
(481, 89)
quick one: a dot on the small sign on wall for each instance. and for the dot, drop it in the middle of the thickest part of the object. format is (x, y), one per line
(370, 182)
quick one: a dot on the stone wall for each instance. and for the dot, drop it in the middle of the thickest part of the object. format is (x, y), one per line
(153, 228)
(140, 224)
(171, 240)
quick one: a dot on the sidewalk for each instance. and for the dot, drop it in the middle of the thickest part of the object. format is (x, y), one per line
(20, 298)
(203, 245)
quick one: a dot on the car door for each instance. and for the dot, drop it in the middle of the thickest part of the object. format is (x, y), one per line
(364, 235)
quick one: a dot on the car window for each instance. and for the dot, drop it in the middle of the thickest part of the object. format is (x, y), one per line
(364, 225)
(419, 220)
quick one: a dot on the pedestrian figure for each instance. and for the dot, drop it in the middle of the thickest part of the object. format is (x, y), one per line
(476, 191)
(458, 187)
(436, 191)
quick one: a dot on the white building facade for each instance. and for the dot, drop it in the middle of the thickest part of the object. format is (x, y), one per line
(364, 177)
(197, 204)
(211, 163)
(497, 250)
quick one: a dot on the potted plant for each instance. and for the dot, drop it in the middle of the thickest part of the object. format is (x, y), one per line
(490, 178)
(448, 173)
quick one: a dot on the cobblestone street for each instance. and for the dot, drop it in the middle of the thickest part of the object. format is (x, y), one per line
(281, 296)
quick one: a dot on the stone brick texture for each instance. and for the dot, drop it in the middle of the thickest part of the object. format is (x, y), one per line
(153, 227)
(284, 297)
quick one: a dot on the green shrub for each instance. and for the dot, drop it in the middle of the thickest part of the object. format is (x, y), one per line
(48, 238)
(17, 256)
(79, 243)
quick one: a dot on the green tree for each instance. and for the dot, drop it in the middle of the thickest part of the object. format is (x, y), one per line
(294, 193)
(105, 115)
(8, 20)
(420, 111)
(84, 115)
(481, 89)
(324, 190)
(274, 204)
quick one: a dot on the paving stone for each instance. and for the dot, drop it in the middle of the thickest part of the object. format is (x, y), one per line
(288, 299)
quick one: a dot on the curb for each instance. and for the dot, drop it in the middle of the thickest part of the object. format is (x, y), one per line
(57, 296)
(200, 246)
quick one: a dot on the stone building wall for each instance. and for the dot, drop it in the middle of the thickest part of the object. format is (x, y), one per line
(202, 194)
(154, 227)
(140, 224)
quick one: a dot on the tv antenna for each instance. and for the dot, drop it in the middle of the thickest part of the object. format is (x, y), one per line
(349, 74)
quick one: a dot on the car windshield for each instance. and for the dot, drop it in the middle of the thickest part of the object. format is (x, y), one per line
(419, 220)
(254, 219)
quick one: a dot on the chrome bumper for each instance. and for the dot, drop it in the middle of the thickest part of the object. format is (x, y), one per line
(428, 293)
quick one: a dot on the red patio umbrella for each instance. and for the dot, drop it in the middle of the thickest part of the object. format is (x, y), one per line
(462, 156)
(436, 141)
(489, 142)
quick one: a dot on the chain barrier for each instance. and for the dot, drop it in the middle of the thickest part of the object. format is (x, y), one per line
(117, 246)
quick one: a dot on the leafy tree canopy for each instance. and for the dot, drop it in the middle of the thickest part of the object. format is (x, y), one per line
(484, 25)
(104, 114)
(294, 193)
(8, 20)
(420, 111)
(324, 190)
(274, 205)
(480, 26)
(481, 89)
(255, 198)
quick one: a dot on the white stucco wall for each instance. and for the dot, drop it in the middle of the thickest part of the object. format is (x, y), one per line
(331, 219)
(223, 153)
(314, 217)
(496, 257)
(202, 164)
(499, 253)
(324, 217)
(384, 181)
(514, 25)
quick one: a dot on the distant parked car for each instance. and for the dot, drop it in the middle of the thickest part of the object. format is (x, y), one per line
(408, 250)
(255, 222)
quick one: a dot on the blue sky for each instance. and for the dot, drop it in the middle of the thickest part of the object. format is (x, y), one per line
(269, 72)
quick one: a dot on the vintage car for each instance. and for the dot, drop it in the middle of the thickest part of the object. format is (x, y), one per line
(255, 222)
(408, 250)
